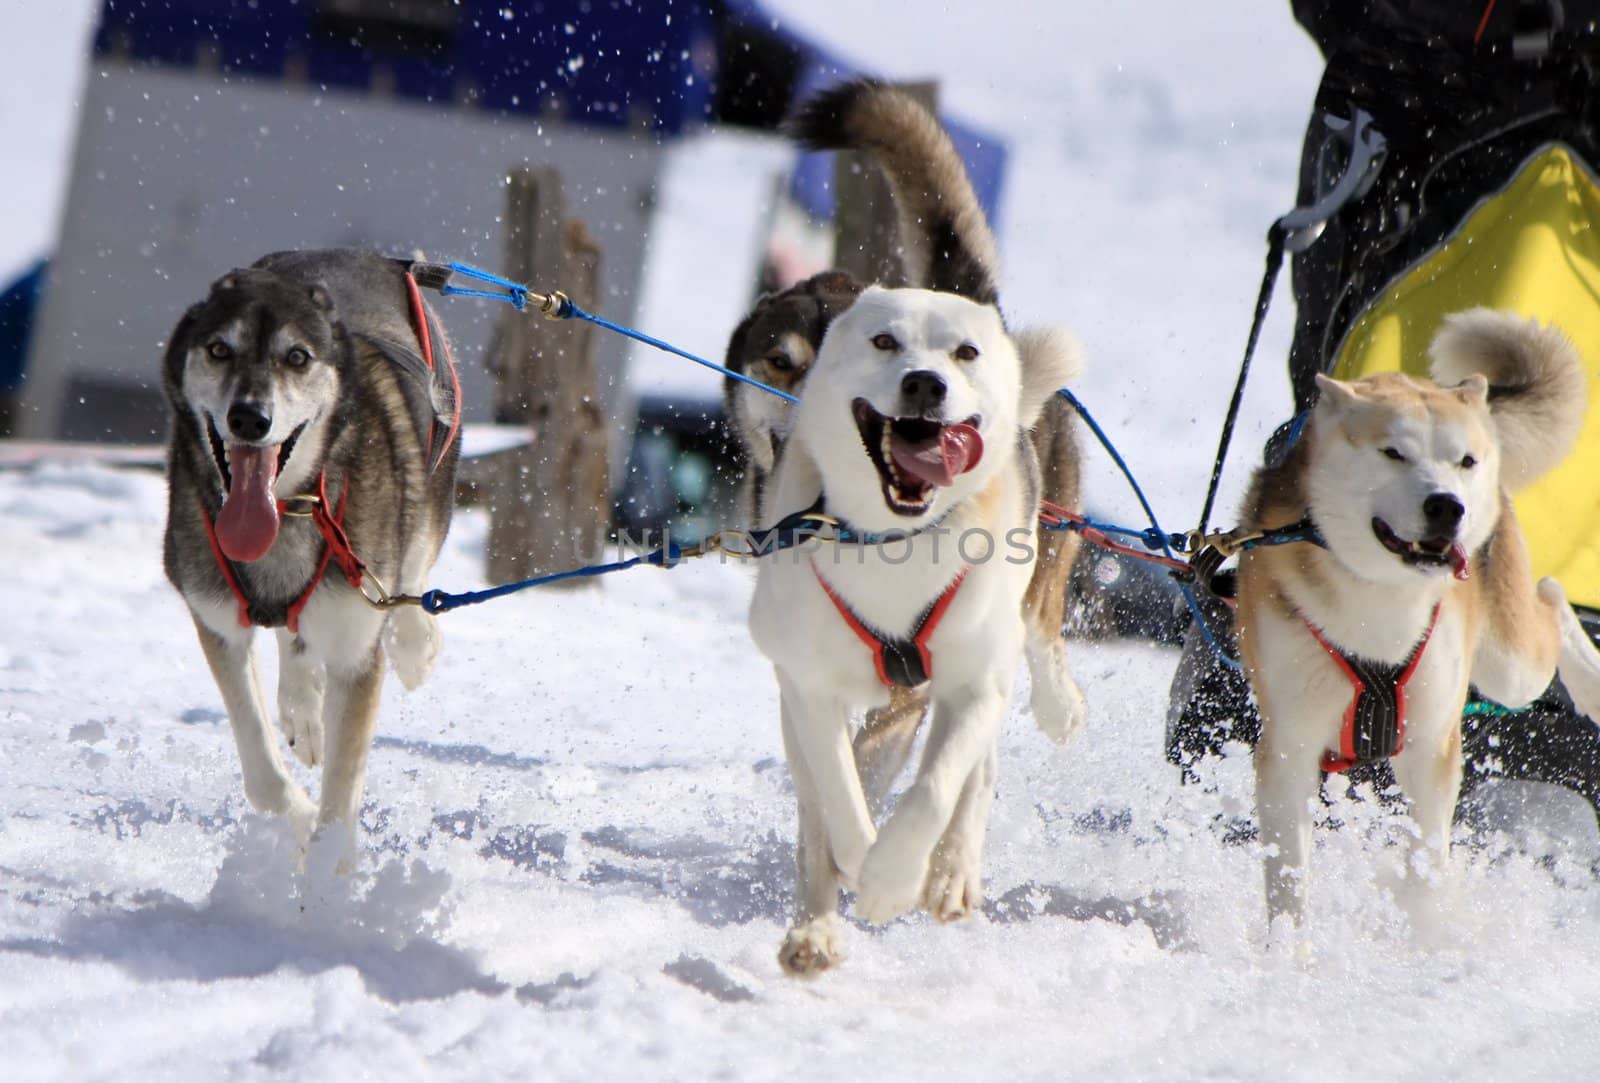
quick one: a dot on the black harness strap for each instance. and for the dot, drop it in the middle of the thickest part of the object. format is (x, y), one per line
(1375, 722)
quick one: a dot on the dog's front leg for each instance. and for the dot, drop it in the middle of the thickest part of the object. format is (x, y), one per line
(814, 942)
(1058, 706)
(1429, 774)
(267, 784)
(954, 888)
(965, 723)
(820, 730)
(301, 683)
(1287, 780)
(350, 716)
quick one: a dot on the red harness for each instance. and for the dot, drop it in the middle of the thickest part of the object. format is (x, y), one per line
(336, 548)
(1375, 722)
(903, 662)
(419, 316)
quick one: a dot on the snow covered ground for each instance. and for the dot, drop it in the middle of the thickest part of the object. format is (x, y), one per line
(578, 843)
(579, 833)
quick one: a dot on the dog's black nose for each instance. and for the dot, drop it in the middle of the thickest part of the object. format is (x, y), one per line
(1443, 513)
(248, 421)
(922, 391)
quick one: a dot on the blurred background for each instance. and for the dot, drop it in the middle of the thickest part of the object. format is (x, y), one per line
(1131, 164)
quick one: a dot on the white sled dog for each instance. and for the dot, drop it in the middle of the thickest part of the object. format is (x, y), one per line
(313, 451)
(777, 343)
(1363, 648)
(914, 421)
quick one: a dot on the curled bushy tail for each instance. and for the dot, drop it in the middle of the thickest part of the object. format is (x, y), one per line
(947, 239)
(1538, 391)
(1051, 359)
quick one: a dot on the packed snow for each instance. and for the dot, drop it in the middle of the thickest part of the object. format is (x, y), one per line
(578, 836)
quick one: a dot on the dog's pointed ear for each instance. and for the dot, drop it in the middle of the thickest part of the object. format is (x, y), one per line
(1336, 394)
(1474, 390)
(320, 297)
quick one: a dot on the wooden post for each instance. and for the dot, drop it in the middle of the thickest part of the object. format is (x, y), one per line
(550, 500)
(866, 229)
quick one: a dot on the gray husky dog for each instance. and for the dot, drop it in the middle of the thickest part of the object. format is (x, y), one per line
(313, 457)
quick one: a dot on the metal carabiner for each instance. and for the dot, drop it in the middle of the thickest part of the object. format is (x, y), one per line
(1231, 542)
(379, 597)
(285, 506)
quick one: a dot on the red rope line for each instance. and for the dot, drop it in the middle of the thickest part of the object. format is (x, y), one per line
(1483, 23)
(419, 315)
(1055, 515)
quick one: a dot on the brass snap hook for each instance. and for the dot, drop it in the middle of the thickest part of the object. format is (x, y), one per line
(300, 507)
(378, 596)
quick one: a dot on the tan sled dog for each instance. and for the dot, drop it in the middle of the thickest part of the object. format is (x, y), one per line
(1363, 648)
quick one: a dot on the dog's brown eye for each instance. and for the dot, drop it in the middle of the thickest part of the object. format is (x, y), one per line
(1468, 462)
(219, 351)
(779, 360)
(1393, 453)
(297, 358)
(966, 352)
(885, 342)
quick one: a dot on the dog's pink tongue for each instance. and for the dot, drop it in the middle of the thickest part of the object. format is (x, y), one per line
(942, 459)
(247, 525)
(1460, 565)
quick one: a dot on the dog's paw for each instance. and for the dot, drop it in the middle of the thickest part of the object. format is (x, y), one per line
(302, 817)
(811, 948)
(890, 883)
(334, 849)
(300, 715)
(1289, 946)
(1058, 706)
(954, 889)
(1059, 710)
(1551, 592)
(412, 640)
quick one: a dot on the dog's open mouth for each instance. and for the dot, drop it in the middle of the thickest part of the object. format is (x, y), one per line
(1439, 552)
(915, 456)
(247, 525)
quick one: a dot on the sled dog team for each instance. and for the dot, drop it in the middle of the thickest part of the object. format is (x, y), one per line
(314, 450)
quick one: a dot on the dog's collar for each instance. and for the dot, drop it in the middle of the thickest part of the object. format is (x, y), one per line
(844, 532)
(1303, 531)
(1375, 722)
